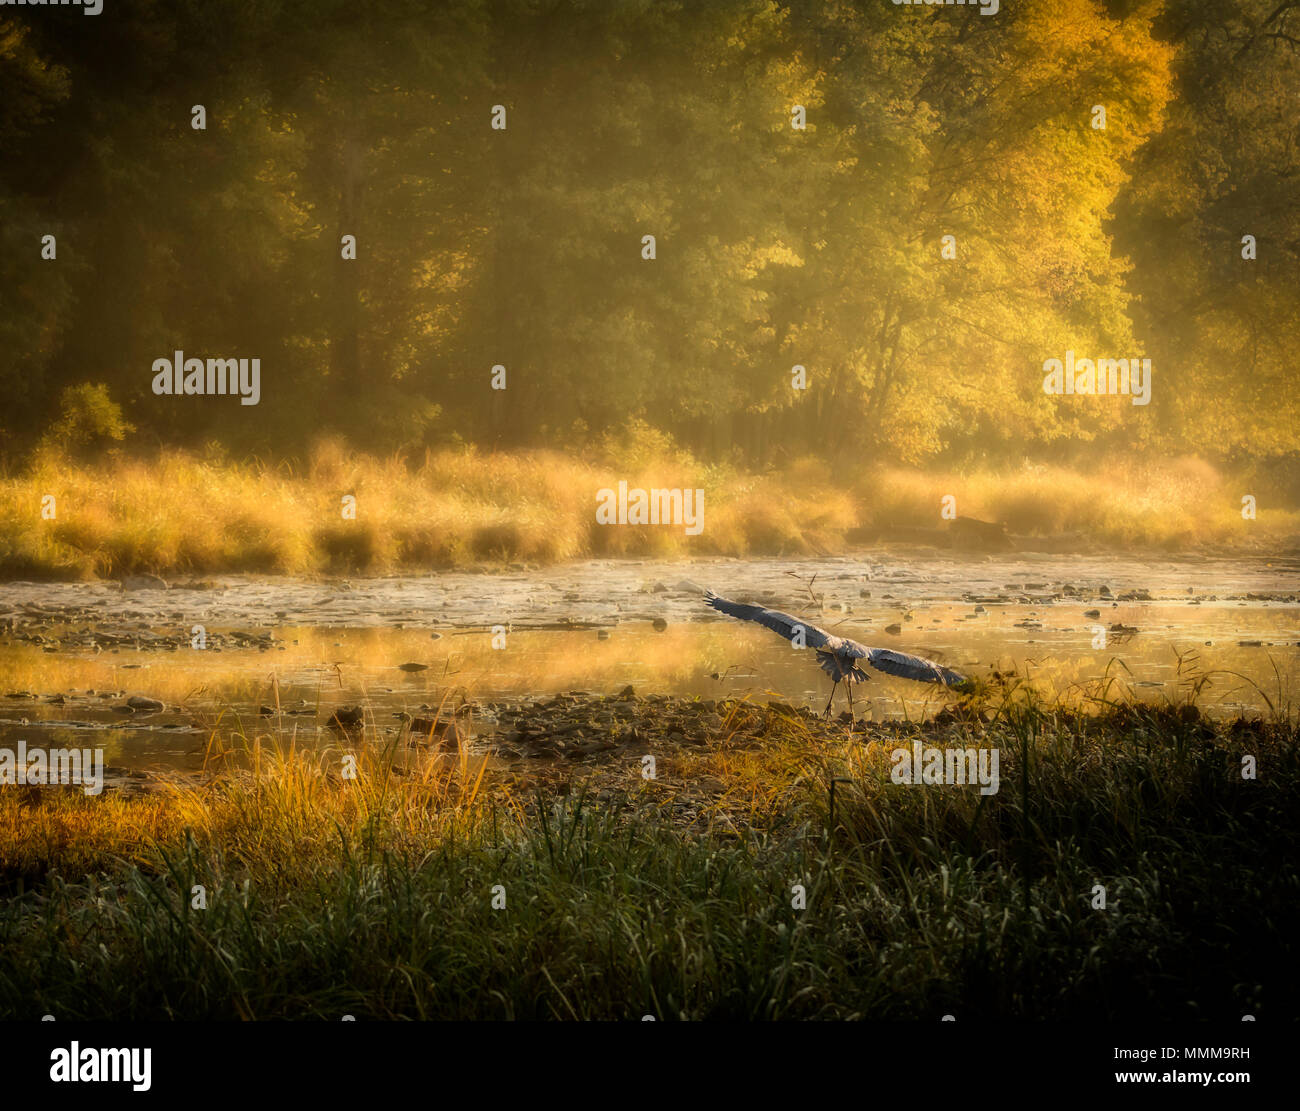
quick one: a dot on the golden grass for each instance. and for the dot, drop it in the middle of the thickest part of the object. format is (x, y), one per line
(183, 513)
(1174, 504)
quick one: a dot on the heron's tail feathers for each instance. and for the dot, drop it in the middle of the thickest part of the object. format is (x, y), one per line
(840, 669)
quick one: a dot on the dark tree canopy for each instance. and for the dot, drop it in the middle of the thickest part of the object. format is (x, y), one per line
(775, 245)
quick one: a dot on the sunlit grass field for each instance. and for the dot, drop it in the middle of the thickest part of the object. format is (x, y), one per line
(184, 513)
(374, 897)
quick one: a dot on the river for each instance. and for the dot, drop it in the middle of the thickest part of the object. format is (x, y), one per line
(71, 654)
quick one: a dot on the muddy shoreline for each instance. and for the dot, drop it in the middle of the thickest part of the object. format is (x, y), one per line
(599, 741)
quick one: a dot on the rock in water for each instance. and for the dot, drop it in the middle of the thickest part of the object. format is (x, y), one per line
(433, 731)
(348, 717)
(143, 582)
(413, 667)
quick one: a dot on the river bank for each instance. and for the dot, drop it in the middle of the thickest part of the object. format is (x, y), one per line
(1126, 866)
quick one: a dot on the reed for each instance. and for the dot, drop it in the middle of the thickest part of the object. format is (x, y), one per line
(186, 513)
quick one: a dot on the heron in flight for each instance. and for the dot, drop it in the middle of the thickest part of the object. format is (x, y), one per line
(838, 656)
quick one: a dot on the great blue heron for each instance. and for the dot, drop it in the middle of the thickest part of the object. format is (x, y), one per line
(838, 656)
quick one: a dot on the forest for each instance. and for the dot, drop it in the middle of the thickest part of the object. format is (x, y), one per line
(872, 226)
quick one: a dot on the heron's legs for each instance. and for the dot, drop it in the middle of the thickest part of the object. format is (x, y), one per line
(850, 688)
(827, 712)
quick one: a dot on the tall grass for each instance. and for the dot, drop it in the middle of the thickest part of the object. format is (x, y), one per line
(374, 897)
(188, 513)
(1173, 504)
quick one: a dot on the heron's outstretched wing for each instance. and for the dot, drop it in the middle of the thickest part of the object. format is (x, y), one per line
(911, 667)
(779, 622)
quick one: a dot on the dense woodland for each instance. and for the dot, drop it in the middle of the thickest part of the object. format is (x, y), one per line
(775, 245)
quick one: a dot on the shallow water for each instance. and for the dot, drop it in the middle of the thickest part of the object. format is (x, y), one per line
(1233, 623)
(611, 591)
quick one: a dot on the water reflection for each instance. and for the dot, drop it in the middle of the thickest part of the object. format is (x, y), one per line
(1245, 654)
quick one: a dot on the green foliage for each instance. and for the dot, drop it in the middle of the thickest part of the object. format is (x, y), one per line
(775, 246)
(638, 447)
(88, 419)
(1224, 330)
